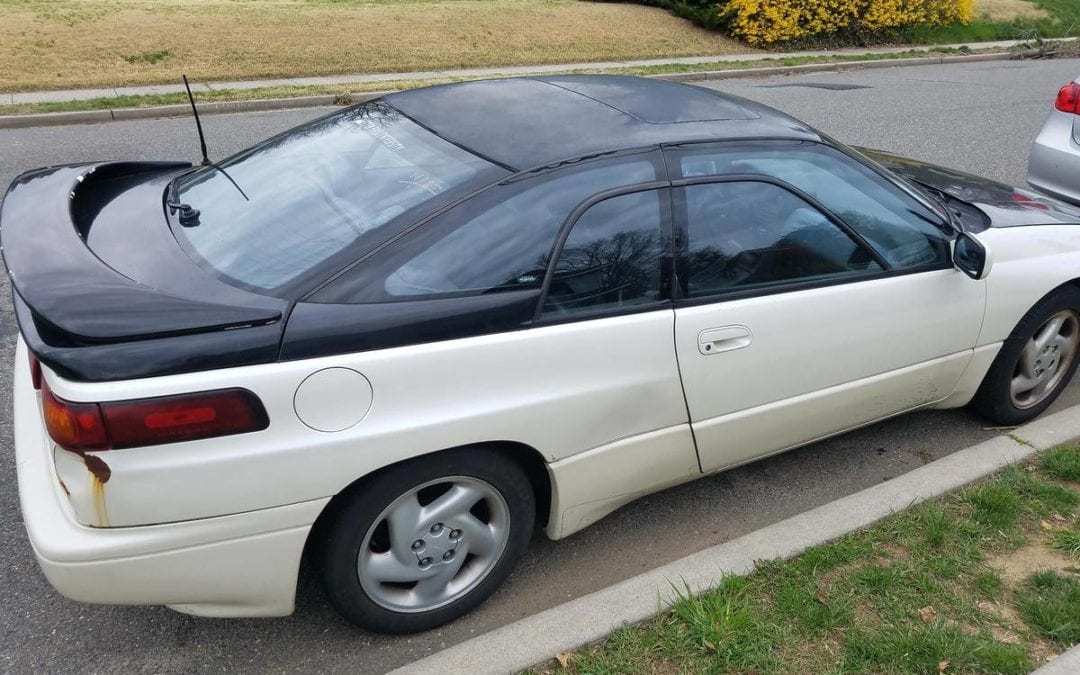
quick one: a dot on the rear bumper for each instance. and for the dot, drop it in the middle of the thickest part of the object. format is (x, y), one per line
(239, 565)
(1054, 162)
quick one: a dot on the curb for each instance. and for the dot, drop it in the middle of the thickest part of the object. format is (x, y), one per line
(537, 638)
(175, 110)
(840, 66)
(1066, 664)
(255, 105)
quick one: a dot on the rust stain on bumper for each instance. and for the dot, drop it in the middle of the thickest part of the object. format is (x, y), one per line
(100, 473)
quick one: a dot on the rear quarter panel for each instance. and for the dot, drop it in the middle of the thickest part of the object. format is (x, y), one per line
(561, 389)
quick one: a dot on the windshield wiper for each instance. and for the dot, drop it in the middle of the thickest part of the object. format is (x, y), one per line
(189, 216)
(955, 226)
(226, 174)
(940, 199)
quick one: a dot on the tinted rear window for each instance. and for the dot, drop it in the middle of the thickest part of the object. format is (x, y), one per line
(277, 211)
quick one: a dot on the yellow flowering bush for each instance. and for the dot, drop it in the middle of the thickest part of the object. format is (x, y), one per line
(764, 22)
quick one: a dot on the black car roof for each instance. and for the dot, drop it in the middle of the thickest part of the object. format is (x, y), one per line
(528, 122)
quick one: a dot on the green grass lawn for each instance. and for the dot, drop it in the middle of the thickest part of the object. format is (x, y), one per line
(983, 581)
(1061, 18)
(60, 44)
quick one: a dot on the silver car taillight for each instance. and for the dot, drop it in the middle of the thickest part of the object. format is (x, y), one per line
(1068, 99)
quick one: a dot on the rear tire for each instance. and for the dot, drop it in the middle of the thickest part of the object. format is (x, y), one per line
(427, 540)
(1036, 361)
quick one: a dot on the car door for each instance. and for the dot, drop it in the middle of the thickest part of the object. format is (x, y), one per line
(792, 324)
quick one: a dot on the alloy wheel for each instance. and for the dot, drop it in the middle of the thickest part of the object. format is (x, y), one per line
(1045, 359)
(433, 544)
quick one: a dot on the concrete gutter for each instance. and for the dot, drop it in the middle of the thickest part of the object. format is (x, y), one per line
(540, 637)
(1066, 664)
(216, 108)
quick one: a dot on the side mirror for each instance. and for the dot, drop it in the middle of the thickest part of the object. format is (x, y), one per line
(971, 256)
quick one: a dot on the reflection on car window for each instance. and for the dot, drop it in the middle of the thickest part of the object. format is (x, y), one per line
(744, 235)
(900, 228)
(503, 241)
(310, 193)
(611, 258)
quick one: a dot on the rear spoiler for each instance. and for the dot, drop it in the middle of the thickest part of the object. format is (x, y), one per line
(72, 296)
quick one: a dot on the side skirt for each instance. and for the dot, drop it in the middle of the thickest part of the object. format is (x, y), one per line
(592, 484)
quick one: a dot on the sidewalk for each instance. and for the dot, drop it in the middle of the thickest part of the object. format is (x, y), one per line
(464, 73)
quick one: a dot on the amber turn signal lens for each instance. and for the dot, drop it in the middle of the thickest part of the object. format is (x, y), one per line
(75, 426)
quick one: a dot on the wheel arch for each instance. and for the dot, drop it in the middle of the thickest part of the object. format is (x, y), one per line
(989, 345)
(1073, 283)
(984, 398)
(529, 459)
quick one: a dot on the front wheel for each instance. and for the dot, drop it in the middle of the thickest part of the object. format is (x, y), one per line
(427, 540)
(1035, 363)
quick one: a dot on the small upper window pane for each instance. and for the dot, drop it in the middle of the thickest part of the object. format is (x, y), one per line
(504, 238)
(747, 235)
(611, 259)
(271, 213)
(899, 227)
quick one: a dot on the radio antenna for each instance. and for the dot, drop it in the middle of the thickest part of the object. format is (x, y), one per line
(198, 124)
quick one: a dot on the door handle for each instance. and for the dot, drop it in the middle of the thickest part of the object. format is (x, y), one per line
(725, 339)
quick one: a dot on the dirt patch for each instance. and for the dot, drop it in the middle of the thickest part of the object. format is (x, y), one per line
(1016, 566)
(1007, 630)
(1040, 650)
(893, 552)
(1008, 10)
(814, 656)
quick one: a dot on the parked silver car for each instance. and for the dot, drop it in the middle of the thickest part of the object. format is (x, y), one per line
(1054, 164)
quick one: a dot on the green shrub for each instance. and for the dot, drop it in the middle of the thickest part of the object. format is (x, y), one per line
(705, 13)
(766, 22)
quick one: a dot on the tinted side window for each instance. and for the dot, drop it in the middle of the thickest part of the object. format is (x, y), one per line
(499, 240)
(745, 235)
(611, 258)
(900, 228)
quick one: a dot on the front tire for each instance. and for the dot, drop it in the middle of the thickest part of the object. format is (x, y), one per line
(426, 541)
(1035, 363)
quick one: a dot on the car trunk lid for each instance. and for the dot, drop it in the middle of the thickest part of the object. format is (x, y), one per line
(93, 265)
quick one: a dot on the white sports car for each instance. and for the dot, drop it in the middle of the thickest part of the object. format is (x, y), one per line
(400, 337)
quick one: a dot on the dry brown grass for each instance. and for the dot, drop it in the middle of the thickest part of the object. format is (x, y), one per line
(51, 44)
(1009, 10)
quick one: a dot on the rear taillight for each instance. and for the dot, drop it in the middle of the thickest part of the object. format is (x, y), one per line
(187, 417)
(75, 426)
(90, 427)
(1021, 198)
(35, 371)
(1068, 99)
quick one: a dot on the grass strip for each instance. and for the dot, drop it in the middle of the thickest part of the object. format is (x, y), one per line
(980, 581)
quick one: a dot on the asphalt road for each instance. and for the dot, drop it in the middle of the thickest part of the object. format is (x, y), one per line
(978, 117)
